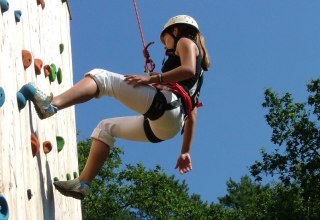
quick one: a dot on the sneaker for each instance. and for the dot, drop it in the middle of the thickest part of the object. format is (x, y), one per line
(73, 188)
(42, 102)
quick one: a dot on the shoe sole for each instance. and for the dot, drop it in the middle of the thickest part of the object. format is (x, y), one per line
(38, 110)
(75, 195)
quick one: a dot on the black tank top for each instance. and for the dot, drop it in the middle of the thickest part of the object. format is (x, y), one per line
(192, 85)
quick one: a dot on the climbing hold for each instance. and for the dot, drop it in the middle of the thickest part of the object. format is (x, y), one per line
(2, 96)
(68, 176)
(55, 179)
(35, 145)
(38, 66)
(75, 175)
(53, 73)
(59, 75)
(4, 4)
(47, 70)
(17, 15)
(21, 100)
(42, 3)
(28, 91)
(4, 208)
(63, 1)
(26, 58)
(61, 48)
(29, 193)
(60, 143)
(47, 147)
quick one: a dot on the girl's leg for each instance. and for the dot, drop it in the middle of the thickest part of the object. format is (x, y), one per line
(130, 128)
(46, 106)
(98, 154)
(82, 91)
(102, 141)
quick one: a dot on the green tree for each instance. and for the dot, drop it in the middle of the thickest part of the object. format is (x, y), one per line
(296, 137)
(134, 192)
(249, 200)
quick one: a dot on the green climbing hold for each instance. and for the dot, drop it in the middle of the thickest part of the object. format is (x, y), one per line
(53, 73)
(60, 143)
(55, 179)
(61, 48)
(59, 75)
(75, 175)
(68, 176)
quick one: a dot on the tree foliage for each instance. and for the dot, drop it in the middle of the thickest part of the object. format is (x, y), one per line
(295, 134)
(134, 192)
(250, 200)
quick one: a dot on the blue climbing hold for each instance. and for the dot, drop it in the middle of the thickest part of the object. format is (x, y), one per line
(4, 209)
(21, 100)
(17, 15)
(4, 4)
(2, 96)
(28, 91)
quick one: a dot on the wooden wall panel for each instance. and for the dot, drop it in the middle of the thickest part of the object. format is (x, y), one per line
(40, 31)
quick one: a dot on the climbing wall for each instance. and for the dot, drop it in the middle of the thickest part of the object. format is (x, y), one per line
(35, 47)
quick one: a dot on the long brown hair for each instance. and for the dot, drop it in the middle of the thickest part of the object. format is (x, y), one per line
(200, 41)
(195, 35)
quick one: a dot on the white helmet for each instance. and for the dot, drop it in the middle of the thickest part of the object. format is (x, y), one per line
(180, 19)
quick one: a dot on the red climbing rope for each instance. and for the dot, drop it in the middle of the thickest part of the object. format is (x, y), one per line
(148, 63)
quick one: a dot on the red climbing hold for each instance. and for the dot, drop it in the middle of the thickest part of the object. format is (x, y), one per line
(38, 66)
(26, 58)
(35, 145)
(42, 3)
(47, 70)
(47, 147)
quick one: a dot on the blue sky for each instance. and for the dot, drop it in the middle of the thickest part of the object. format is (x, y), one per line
(253, 44)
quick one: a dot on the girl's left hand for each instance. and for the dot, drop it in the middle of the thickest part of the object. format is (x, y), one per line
(184, 163)
(137, 80)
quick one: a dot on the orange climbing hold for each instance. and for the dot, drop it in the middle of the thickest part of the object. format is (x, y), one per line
(47, 147)
(35, 145)
(38, 66)
(26, 58)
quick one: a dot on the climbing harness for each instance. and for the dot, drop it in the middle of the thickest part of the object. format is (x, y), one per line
(148, 63)
(158, 106)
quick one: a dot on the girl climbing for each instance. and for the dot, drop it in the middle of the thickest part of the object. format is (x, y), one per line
(166, 102)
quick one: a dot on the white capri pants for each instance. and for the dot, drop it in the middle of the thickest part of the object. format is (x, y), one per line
(139, 100)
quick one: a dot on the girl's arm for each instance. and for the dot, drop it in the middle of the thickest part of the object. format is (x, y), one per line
(184, 161)
(187, 50)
